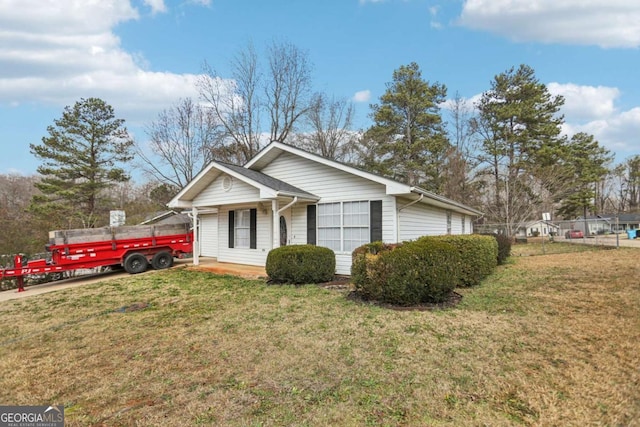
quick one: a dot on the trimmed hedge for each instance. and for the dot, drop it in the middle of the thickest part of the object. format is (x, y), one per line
(301, 264)
(406, 274)
(479, 255)
(504, 247)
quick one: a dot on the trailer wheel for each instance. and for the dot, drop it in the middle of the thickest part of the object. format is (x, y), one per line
(136, 263)
(162, 260)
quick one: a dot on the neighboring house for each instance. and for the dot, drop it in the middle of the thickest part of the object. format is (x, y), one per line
(285, 195)
(538, 228)
(590, 226)
(625, 221)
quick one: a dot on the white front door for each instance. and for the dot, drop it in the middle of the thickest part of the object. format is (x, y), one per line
(209, 235)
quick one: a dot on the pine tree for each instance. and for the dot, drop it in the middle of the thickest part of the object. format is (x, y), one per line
(408, 138)
(519, 128)
(589, 162)
(82, 157)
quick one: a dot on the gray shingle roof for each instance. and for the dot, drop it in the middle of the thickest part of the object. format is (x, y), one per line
(268, 181)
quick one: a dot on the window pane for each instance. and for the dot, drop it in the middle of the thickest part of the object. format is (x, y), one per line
(242, 228)
(356, 214)
(330, 238)
(354, 237)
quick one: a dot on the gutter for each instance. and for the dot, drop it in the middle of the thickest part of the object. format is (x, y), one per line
(411, 203)
(447, 201)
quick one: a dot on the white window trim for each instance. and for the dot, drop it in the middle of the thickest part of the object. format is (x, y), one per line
(240, 213)
(342, 224)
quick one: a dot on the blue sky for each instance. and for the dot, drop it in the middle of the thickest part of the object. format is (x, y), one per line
(142, 56)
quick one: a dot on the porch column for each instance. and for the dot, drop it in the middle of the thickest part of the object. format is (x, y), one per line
(196, 239)
(276, 224)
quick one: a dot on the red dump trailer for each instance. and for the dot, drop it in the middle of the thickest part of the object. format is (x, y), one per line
(133, 247)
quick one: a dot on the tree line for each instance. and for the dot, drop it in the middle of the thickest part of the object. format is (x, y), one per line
(504, 155)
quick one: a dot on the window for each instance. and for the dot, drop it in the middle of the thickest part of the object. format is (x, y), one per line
(242, 228)
(462, 220)
(355, 224)
(344, 226)
(448, 222)
(329, 226)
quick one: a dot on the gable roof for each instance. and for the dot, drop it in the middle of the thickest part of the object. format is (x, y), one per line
(396, 188)
(269, 186)
(279, 186)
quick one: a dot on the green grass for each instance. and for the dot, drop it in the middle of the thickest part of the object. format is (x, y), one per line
(543, 341)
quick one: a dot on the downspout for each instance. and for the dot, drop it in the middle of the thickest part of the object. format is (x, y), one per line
(398, 214)
(276, 219)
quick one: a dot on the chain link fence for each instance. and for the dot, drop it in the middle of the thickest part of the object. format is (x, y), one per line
(600, 231)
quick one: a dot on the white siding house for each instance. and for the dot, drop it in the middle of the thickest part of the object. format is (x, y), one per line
(286, 196)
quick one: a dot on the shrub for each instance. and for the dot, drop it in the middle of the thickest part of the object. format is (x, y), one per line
(406, 274)
(364, 265)
(301, 264)
(504, 247)
(479, 255)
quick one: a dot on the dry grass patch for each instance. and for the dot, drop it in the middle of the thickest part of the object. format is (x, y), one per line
(544, 341)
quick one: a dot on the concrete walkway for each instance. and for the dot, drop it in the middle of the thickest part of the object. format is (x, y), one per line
(206, 264)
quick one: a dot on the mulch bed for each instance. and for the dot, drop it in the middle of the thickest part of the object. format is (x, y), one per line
(453, 299)
(343, 283)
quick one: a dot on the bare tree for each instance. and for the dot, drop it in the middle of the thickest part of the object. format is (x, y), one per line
(459, 180)
(287, 89)
(181, 143)
(329, 122)
(236, 105)
(20, 230)
(282, 94)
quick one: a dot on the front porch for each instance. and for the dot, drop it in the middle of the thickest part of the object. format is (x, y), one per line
(240, 270)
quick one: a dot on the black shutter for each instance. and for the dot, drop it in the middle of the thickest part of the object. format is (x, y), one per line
(375, 211)
(311, 224)
(253, 220)
(232, 224)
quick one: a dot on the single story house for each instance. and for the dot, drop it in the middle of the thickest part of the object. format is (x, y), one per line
(591, 226)
(624, 221)
(538, 228)
(285, 195)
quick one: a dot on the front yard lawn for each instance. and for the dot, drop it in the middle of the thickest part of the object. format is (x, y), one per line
(546, 340)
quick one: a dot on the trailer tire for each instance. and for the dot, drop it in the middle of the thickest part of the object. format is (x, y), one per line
(162, 260)
(136, 263)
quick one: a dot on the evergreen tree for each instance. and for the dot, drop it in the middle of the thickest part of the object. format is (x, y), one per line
(519, 129)
(589, 162)
(408, 139)
(82, 157)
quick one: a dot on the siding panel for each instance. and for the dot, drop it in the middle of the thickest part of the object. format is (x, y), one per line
(422, 220)
(240, 193)
(247, 256)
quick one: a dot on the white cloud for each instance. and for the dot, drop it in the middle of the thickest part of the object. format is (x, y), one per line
(54, 53)
(591, 109)
(157, 6)
(586, 102)
(614, 23)
(362, 96)
(619, 132)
